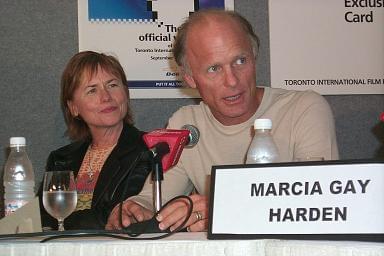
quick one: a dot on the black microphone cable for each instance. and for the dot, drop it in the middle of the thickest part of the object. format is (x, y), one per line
(152, 224)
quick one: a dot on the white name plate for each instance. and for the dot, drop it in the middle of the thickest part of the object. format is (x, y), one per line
(309, 200)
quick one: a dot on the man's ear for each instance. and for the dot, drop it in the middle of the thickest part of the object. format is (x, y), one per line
(189, 80)
(72, 108)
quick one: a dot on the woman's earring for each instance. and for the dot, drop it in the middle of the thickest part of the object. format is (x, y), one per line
(77, 117)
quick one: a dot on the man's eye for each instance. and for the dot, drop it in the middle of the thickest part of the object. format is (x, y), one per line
(241, 61)
(213, 69)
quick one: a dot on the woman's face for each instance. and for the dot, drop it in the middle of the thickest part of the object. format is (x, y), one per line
(101, 101)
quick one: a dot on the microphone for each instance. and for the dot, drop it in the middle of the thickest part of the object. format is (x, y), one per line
(165, 145)
(158, 140)
(194, 135)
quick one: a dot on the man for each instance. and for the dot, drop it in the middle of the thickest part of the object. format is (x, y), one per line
(217, 52)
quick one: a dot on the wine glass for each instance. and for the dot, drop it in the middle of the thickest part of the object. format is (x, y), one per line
(59, 195)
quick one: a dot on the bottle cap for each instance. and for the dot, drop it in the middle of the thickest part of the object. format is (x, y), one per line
(17, 141)
(263, 123)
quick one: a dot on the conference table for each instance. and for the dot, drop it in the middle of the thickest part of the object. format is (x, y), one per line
(194, 243)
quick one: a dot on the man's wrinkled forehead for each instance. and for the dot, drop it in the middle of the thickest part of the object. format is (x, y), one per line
(209, 23)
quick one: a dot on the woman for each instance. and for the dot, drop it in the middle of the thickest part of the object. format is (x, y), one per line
(105, 154)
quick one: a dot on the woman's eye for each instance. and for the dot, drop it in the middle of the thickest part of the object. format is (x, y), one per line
(113, 85)
(91, 91)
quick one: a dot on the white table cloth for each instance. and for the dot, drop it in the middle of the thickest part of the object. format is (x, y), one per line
(191, 244)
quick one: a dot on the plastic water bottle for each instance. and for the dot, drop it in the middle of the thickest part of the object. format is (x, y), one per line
(262, 148)
(19, 178)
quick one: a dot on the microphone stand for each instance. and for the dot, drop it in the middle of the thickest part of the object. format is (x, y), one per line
(161, 149)
(157, 177)
(152, 225)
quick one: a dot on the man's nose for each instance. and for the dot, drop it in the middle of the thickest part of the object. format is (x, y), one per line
(230, 77)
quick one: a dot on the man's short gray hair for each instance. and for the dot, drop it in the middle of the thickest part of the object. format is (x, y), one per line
(180, 40)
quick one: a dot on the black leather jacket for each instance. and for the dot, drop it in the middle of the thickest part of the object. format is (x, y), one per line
(122, 175)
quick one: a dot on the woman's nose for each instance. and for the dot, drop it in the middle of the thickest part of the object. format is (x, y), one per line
(105, 95)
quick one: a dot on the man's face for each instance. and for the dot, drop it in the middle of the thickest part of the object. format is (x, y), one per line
(222, 67)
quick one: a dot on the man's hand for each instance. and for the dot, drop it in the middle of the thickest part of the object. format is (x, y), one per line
(131, 212)
(174, 214)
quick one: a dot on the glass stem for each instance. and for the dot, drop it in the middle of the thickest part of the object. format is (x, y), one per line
(61, 224)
